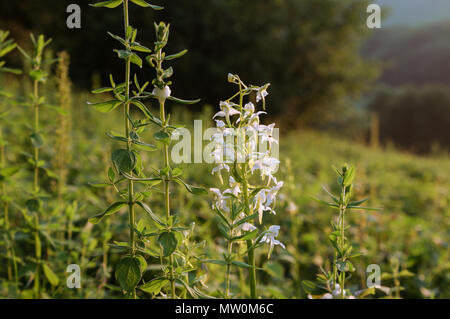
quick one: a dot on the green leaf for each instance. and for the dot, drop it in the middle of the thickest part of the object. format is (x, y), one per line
(123, 54)
(107, 4)
(167, 73)
(139, 47)
(37, 140)
(246, 236)
(124, 160)
(246, 219)
(50, 275)
(148, 181)
(366, 292)
(363, 208)
(359, 202)
(116, 37)
(325, 203)
(154, 286)
(333, 197)
(102, 90)
(38, 75)
(181, 101)
(176, 55)
(162, 136)
(192, 189)
(128, 273)
(134, 58)
(349, 176)
(143, 108)
(241, 264)
(223, 217)
(111, 175)
(308, 286)
(7, 47)
(152, 215)
(142, 263)
(105, 107)
(177, 171)
(13, 71)
(144, 4)
(216, 262)
(144, 146)
(168, 242)
(117, 137)
(114, 208)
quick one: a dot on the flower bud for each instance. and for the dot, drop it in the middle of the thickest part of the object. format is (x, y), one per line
(163, 94)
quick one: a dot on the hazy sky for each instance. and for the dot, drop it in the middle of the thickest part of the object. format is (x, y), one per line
(415, 12)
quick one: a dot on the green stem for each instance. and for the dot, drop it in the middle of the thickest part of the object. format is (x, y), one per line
(127, 133)
(251, 252)
(342, 238)
(10, 250)
(167, 193)
(227, 280)
(37, 241)
(5, 210)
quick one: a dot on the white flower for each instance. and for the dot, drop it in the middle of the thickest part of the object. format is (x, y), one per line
(262, 92)
(250, 116)
(265, 132)
(327, 296)
(243, 227)
(219, 168)
(220, 200)
(260, 201)
(227, 110)
(163, 94)
(269, 238)
(337, 291)
(232, 78)
(272, 193)
(267, 166)
(265, 198)
(249, 109)
(220, 123)
(235, 187)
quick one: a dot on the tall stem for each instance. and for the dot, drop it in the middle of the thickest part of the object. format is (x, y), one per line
(251, 251)
(127, 133)
(37, 241)
(227, 279)
(167, 191)
(342, 238)
(5, 209)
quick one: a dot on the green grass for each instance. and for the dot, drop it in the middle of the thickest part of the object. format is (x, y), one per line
(412, 227)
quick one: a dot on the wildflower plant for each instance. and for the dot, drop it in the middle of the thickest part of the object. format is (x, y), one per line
(335, 281)
(170, 233)
(7, 171)
(37, 195)
(127, 163)
(242, 150)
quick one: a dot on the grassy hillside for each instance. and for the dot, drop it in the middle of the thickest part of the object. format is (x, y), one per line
(412, 228)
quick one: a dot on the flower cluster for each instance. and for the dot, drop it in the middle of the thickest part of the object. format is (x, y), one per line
(242, 139)
(242, 148)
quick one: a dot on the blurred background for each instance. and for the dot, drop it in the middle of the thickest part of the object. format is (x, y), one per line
(327, 69)
(379, 99)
